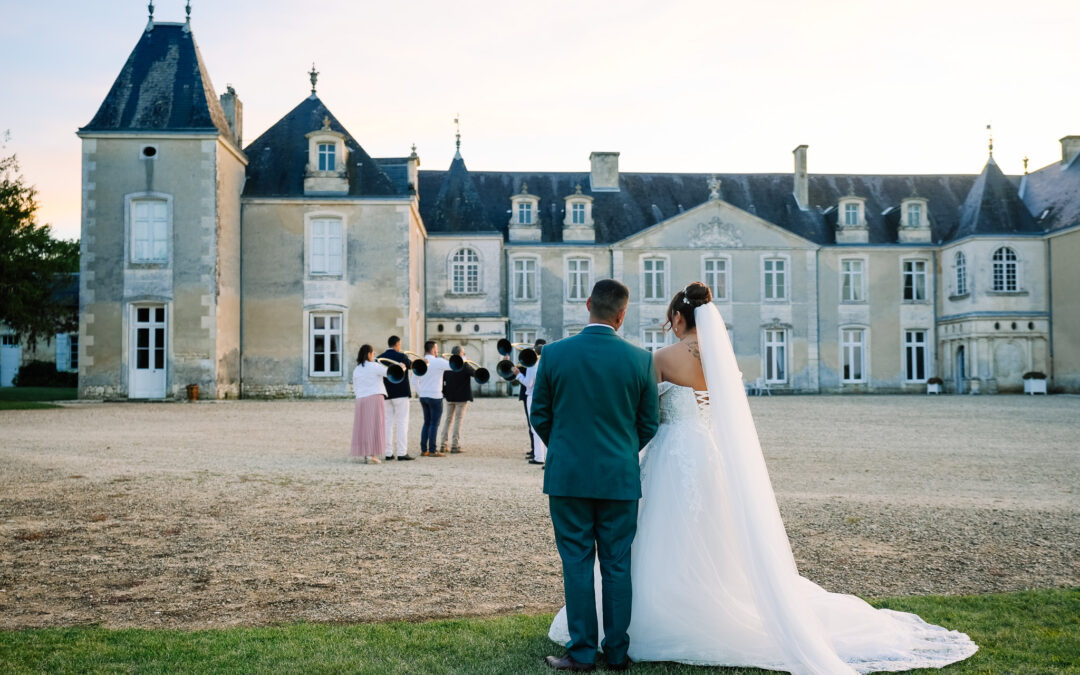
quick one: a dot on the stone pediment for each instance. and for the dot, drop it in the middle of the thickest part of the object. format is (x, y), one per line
(716, 234)
(715, 225)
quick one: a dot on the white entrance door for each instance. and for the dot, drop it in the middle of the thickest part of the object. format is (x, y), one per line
(10, 359)
(148, 352)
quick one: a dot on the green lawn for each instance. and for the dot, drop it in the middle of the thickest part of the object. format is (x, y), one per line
(34, 398)
(1030, 632)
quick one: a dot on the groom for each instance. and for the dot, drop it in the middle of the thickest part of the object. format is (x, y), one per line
(595, 406)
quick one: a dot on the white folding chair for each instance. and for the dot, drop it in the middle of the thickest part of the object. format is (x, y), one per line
(760, 385)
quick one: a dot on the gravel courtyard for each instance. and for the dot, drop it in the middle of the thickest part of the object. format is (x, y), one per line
(209, 514)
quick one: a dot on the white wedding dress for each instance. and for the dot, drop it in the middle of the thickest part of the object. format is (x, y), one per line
(715, 582)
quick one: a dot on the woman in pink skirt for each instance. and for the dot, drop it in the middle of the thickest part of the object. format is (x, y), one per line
(369, 420)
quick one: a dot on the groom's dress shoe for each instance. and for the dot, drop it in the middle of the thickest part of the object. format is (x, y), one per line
(568, 663)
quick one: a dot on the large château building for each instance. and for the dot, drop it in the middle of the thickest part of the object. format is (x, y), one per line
(258, 270)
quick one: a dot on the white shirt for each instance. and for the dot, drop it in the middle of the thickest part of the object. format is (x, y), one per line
(430, 384)
(528, 379)
(367, 379)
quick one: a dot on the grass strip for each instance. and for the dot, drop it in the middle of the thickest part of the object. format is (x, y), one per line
(1031, 632)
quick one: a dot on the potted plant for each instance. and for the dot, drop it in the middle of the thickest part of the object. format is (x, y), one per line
(1034, 382)
(933, 385)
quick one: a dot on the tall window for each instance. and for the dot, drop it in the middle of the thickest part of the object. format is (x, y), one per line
(853, 354)
(525, 337)
(851, 281)
(1005, 263)
(325, 345)
(326, 156)
(961, 273)
(775, 271)
(716, 277)
(578, 278)
(654, 276)
(653, 339)
(73, 351)
(326, 246)
(851, 214)
(577, 214)
(914, 215)
(149, 231)
(915, 280)
(915, 355)
(775, 355)
(525, 213)
(465, 271)
(525, 279)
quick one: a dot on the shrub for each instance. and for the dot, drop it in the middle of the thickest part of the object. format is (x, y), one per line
(1034, 375)
(935, 380)
(44, 374)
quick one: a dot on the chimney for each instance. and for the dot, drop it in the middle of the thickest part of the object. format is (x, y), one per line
(605, 172)
(802, 183)
(1070, 145)
(234, 113)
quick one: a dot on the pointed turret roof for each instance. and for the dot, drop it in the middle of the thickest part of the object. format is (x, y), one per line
(163, 86)
(458, 206)
(279, 157)
(993, 206)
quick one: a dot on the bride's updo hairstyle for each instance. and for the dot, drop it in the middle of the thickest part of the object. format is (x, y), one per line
(686, 301)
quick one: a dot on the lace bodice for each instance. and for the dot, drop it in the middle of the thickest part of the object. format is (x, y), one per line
(681, 404)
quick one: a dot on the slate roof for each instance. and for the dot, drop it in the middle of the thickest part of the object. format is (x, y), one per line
(458, 206)
(993, 206)
(163, 86)
(278, 158)
(1055, 190)
(647, 198)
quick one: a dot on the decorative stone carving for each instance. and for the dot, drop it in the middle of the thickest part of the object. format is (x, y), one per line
(716, 234)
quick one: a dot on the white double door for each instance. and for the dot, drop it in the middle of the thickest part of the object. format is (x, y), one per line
(148, 356)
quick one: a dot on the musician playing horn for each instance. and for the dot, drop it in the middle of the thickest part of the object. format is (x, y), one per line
(429, 387)
(457, 391)
(527, 378)
(397, 404)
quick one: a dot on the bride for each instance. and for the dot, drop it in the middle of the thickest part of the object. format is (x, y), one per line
(714, 579)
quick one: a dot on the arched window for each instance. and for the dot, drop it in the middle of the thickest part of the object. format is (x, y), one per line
(961, 273)
(1005, 270)
(465, 271)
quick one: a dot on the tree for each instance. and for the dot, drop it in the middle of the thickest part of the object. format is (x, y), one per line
(35, 268)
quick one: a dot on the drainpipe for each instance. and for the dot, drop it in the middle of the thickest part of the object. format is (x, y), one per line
(1050, 307)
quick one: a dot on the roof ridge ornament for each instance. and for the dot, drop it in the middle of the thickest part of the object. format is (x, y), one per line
(187, 22)
(314, 77)
(150, 8)
(326, 122)
(457, 133)
(577, 189)
(714, 187)
(990, 133)
(1025, 165)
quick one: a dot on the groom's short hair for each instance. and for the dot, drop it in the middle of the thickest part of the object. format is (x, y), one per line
(609, 297)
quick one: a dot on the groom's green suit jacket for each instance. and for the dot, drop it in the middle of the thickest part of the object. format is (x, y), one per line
(595, 406)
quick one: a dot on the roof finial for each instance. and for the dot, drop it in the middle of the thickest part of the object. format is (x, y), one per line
(413, 155)
(150, 6)
(714, 187)
(990, 133)
(187, 10)
(1025, 164)
(314, 74)
(457, 136)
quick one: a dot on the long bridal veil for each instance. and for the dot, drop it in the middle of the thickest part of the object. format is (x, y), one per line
(818, 632)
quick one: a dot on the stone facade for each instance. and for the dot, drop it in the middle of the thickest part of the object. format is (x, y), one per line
(259, 272)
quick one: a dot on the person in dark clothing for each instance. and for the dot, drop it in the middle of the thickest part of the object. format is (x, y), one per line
(457, 392)
(397, 404)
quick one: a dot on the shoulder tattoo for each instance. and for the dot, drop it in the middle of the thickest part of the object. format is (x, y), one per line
(693, 347)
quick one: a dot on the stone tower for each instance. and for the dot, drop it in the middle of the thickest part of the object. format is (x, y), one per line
(162, 174)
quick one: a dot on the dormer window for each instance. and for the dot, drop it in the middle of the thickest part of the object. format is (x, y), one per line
(914, 215)
(327, 153)
(326, 162)
(525, 214)
(851, 214)
(578, 223)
